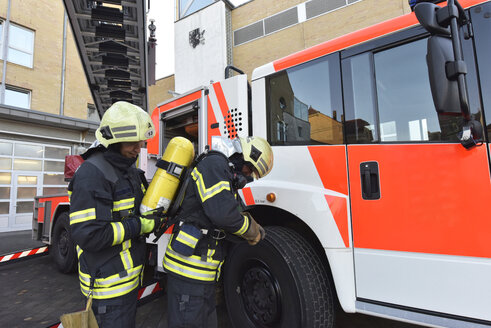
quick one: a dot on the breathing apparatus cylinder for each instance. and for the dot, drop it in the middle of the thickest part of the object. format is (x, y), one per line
(170, 169)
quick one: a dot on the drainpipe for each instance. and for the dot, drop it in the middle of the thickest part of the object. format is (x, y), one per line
(63, 68)
(5, 48)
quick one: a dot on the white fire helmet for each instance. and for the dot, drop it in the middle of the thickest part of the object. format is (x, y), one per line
(124, 122)
(255, 151)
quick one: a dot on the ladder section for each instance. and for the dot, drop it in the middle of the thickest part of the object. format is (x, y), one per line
(111, 40)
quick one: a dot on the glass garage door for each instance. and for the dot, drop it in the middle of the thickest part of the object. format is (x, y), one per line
(27, 170)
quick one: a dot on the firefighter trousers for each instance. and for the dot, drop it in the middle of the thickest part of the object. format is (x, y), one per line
(119, 312)
(190, 304)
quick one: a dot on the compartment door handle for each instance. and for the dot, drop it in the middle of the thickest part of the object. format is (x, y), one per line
(370, 183)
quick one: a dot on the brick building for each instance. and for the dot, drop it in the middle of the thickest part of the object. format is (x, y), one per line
(45, 105)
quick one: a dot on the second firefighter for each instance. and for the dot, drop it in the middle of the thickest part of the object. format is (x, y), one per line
(209, 212)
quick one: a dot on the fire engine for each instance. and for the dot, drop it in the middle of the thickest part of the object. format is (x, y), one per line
(381, 184)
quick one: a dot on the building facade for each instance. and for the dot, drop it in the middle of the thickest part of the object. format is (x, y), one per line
(258, 32)
(46, 109)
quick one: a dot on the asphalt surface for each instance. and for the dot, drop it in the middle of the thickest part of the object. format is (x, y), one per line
(35, 294)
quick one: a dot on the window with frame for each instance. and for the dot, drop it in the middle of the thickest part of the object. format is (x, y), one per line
(304, 104)
(388, 98)
(20, 45)
(54, 165)
(187, 7)
(17, 97)
(481, 25)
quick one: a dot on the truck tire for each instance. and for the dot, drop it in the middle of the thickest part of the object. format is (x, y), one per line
(62, 247)
(278, 283)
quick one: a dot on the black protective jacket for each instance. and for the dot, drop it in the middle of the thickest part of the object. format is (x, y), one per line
(210, 204)
(105, 196)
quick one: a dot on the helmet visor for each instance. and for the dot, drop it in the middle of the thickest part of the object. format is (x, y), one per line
(254, 172)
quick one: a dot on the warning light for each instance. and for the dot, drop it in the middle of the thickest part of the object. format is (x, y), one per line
(271, 197)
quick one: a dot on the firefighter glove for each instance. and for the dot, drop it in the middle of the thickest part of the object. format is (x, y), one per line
(151, 220)
(255, 233)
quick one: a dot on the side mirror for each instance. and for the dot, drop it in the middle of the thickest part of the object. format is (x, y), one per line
(426, 13)
(445, 91)
(446, 66)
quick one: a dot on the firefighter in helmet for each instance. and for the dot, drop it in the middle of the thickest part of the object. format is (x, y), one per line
(105, 195)
(210, 212)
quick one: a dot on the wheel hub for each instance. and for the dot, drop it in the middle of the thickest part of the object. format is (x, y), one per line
(261, 296)
(63, 243)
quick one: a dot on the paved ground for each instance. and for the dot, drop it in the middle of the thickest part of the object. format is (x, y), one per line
(35, 294)
(17, 241)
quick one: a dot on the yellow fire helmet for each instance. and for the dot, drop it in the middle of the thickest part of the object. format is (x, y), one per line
(124, 122)
(258, 152)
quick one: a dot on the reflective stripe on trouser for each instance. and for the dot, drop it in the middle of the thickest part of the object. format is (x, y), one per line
(191, 266)
(113, 286)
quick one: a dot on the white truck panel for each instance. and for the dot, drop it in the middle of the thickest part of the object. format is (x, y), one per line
(425, 281)
(190, 72)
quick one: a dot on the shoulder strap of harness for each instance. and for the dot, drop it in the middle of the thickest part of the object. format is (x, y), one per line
(187, 178)
(171, 214)
(102, 164)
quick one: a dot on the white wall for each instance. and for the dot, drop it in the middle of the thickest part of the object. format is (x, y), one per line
(197, 66)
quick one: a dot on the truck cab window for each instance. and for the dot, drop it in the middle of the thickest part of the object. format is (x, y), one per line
(388, 97)
(304, 104)
(482, 25)
(405, 104)
(359, 99)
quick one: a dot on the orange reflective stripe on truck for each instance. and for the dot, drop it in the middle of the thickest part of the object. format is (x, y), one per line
(346, 41)
(330, 162)
(222, 102)
(248, 198)
(355, 38)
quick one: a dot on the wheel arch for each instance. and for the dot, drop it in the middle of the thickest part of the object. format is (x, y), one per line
(60, 208)
(62, 247)
(275, 216)
(343, 284)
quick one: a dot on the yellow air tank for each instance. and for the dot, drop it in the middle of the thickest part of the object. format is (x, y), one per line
(177, 156)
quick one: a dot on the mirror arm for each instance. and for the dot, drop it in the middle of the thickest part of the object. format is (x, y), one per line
(471, 135)
(457, 48)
